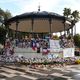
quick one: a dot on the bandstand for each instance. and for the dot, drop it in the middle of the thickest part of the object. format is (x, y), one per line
(39, 23)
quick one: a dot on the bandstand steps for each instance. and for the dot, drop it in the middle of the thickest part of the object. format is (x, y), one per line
(28, 53)
(24, 50)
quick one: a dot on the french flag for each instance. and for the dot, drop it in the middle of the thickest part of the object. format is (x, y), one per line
(34, 46)
(45, 51)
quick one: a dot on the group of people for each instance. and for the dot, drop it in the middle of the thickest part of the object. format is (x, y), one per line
(8, 49)
(37, 44)
(66, 42)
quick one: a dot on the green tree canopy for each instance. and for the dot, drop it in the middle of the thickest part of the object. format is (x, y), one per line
(2, 35)
(7, 14)
(1, 12)
(67, 12)
(77, 40)
(4, 15)
(74, 16)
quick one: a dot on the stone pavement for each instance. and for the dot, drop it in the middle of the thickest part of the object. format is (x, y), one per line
(14, 72)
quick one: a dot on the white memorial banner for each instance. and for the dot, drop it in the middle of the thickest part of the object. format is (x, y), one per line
(54, 46)
(68, 52)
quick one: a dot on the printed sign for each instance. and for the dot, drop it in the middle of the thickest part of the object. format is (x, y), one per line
(68, 52)
(55, 46)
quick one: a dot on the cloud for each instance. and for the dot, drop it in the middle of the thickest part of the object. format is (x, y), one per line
(17, 7)
(74, 5)
(32, 5)
(7, 1)
(46, 5)
(23, 6)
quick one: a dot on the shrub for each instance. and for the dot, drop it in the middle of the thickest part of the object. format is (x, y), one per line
(77, 61)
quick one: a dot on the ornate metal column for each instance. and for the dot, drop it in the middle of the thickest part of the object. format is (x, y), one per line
(32, 25)
(16, 34)
(64, 27)
(50, 22)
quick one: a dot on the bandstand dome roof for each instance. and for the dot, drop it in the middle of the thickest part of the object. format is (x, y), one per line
(38, 22)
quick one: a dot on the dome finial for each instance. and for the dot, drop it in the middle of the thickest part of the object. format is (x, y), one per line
(39, 8)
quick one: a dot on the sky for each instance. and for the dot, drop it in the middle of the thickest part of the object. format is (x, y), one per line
(17, 7)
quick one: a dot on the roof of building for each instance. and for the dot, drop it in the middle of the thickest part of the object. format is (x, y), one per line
(38, 14)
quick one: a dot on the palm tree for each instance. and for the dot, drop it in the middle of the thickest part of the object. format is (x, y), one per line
(75, 18)
(4, 15)
(67, 12)
(75, 15)
(7, 15)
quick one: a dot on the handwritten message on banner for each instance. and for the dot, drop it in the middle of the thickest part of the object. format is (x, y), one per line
(54, 46)
(68, 52)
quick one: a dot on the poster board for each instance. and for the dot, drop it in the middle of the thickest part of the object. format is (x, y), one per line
(68, 52)
(55, 46)
(58, 51)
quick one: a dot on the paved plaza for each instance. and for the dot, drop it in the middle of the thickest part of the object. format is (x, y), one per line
(11, 72)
